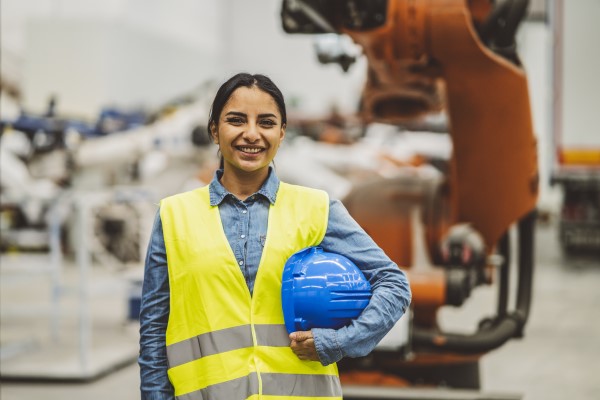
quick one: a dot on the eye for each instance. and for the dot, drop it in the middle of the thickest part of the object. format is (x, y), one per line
(268, 123)
(235, 120)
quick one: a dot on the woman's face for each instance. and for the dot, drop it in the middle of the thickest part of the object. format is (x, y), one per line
(249, 130)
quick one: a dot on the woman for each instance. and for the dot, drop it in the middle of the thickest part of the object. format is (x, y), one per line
(209, 331)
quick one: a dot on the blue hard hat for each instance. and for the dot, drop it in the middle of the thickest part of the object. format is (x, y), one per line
(322, 290)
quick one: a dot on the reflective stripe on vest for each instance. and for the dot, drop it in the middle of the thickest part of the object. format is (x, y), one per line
(221, 342)
(228, 339)
(272, 385)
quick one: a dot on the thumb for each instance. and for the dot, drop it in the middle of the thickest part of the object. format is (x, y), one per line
(300, 336)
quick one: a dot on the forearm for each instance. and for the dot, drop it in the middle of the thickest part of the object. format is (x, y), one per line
(154, 381)
(154, 316)
(359, 338)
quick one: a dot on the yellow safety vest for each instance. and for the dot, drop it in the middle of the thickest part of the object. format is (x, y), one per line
(223, 343)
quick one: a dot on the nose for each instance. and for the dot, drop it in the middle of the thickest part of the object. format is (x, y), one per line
(251, 135)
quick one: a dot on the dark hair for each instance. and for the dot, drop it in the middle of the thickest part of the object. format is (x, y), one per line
(246, 80)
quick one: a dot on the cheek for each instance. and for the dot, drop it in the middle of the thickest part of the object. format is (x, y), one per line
(222, 137)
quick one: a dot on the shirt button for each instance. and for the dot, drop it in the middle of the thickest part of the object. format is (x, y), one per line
(244, 211)
(241, 262)
(242, 236)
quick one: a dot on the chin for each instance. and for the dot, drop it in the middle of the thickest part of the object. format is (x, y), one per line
(250, 168)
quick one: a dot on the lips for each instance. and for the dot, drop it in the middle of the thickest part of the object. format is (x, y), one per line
(250, 150)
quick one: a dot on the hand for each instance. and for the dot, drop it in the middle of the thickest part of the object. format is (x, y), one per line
(303, 345)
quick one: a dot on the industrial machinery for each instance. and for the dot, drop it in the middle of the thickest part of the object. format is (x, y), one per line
(457, 58)
(85, 193)
(48, 156)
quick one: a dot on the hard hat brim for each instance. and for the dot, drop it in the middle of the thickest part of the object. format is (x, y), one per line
(287, 289)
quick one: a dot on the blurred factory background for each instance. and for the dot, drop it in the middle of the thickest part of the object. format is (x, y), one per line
(103, 112)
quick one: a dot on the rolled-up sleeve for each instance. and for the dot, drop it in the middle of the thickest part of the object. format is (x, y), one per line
(154, 316)
(391, 292)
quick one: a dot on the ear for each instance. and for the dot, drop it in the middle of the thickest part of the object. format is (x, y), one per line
(213, 133)
(282, 132)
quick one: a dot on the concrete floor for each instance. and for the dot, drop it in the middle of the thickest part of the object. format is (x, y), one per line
(557, 359)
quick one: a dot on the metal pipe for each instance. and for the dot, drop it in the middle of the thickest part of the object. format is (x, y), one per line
(526, 266)
(83, 262)
(56, 262)
(504, 275)
(507, 327)
(480, 342)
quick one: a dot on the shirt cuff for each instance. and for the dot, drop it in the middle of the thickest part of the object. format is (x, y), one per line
(327, 345)
(154, 395)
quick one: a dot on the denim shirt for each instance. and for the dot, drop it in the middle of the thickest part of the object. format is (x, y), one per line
(245, 225)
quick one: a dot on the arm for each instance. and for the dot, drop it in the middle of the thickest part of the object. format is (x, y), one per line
(391, 291)
(154, 315)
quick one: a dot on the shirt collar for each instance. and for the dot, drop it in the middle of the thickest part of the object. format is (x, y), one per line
(218, 192)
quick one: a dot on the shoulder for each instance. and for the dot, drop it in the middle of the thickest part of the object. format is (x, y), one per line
(302, 190)
(339, 213)
(184, 197)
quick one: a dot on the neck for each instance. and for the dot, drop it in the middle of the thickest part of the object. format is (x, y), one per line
(243, 184)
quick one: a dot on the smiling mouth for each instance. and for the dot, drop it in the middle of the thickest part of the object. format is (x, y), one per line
(250, 150)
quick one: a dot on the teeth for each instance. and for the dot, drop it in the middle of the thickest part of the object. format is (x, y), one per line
(250, 149)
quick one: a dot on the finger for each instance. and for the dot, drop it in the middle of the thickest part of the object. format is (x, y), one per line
(305, 350)
(299, 347)
(306, 354)
(300, 336)
(302, 344)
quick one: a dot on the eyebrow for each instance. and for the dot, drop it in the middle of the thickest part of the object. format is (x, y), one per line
(240, 114)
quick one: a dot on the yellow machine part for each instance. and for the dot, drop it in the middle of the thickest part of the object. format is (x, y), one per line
(583, 157)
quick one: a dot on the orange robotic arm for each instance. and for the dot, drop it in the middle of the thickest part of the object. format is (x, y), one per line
(455, 56)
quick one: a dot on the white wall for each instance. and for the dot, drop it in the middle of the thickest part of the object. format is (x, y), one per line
(117, 52)
(580, 75)
(190, 21)
(92, 63)
(15, 14)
